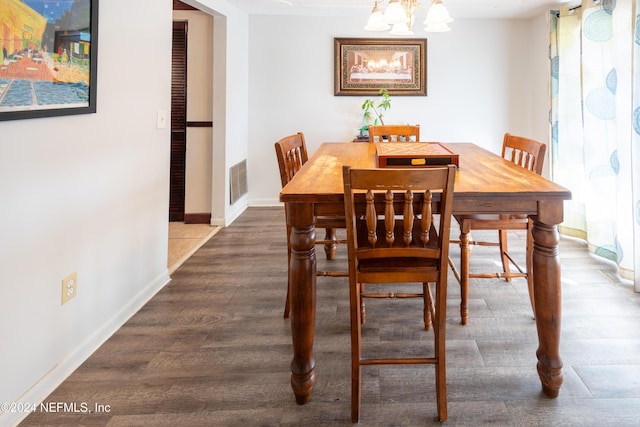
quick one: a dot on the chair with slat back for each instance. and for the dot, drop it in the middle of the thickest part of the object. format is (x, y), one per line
(528, 154)
(291, 152)
(394, 133)
(392, 239)
(524, 152)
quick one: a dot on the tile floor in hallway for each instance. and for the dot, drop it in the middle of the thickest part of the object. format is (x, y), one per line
(185, 240)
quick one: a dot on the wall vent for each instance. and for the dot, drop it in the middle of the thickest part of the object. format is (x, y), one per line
(238, 180)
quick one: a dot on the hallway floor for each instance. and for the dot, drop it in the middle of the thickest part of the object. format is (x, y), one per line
(185, 240)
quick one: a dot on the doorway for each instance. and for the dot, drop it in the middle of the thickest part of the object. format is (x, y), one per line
(191, 116)
(191, 134)
(177, 171)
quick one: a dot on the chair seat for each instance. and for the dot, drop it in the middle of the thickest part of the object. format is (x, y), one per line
(525, 153)
(291, 152)
(398, 265)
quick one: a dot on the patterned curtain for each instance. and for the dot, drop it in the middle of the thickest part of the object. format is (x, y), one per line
(595, 115)
(635, 144)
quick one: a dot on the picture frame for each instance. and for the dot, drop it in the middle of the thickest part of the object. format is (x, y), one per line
(363, 66)
(48, 58)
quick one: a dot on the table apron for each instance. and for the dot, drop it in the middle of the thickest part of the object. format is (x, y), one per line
(549, 210)
(513, 205)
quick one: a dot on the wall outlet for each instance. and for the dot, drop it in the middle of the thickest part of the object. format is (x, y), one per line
(69, 287)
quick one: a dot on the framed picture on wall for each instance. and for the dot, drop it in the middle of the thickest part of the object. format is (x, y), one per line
(364, 66)
(49, 52)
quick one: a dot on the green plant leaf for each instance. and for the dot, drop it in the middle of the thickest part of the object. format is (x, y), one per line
(383, 105)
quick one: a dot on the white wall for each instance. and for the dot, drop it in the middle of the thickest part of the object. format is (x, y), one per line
(230, 102)
(539, 87)
(90, 194)
(86, 194)
(479, 84)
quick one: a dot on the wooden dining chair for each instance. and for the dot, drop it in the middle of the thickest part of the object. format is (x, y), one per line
(394, 133)
(393, 239)
(528, 154)
(291, 152)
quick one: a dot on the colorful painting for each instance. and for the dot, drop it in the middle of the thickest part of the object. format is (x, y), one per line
(48, 58)
(364, 66)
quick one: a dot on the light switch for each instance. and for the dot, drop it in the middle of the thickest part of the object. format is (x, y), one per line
(162, 119)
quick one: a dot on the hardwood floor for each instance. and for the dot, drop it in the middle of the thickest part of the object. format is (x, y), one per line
(212, 348)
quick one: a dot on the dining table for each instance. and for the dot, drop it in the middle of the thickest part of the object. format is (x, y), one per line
(485, 183)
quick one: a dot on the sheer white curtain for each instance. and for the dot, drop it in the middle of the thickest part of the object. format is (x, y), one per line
(595, 69)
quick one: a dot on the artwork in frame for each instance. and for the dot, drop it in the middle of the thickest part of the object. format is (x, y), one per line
(364, 66)
(49, 52)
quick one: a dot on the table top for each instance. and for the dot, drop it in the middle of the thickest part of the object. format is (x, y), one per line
(483, 180)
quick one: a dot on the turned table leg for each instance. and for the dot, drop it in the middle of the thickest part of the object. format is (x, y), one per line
(548, 301)
(302, 280)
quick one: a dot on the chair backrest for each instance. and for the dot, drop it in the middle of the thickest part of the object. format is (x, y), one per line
(390, 214)
(394, 133)
(292, 154)
(524, 152)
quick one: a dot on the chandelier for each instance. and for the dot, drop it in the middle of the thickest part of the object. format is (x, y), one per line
(399, 16)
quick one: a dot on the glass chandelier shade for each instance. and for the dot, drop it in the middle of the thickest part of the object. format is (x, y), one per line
(437, 18)
(376, 20)
(401, 29)
(395, 13)
(399, 16)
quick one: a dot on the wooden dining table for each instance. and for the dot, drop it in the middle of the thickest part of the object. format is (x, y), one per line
(485, 183)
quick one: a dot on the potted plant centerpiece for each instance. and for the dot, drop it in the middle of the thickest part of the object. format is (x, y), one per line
(372, 113)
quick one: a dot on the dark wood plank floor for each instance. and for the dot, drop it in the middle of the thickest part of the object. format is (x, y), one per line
(212, 349)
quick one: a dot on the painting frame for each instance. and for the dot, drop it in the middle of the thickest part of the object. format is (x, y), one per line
(404, 72)
(64, 60)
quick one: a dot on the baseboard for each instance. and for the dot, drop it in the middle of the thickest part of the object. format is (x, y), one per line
(197, 218)
(265, 202)
(232, 214)
(60, 372)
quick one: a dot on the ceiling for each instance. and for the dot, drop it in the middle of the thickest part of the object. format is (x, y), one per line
(483, 9)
